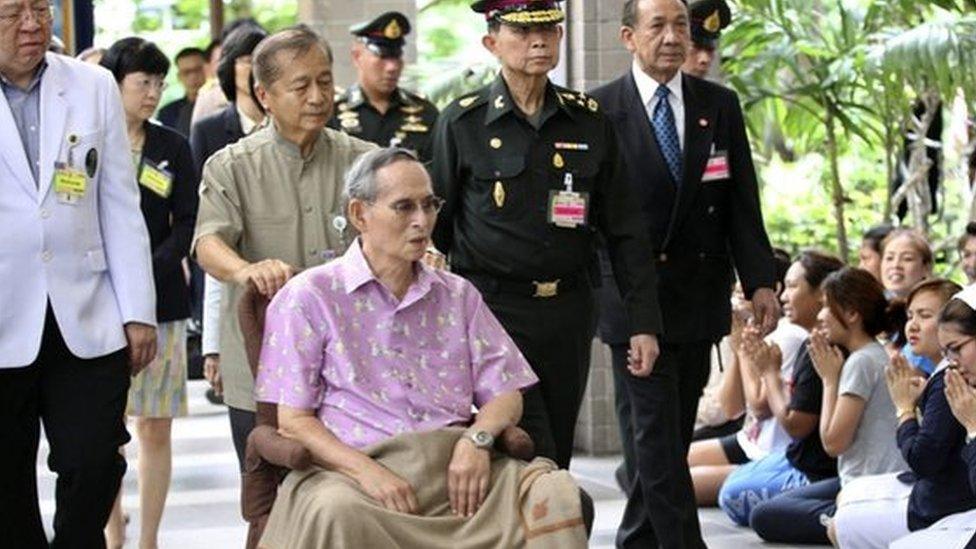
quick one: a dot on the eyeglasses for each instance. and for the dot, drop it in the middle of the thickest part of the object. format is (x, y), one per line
(146, 83)
(406, 208)
(951, 351)
(12, 15)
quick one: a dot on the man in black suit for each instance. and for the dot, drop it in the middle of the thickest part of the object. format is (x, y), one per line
(190, 63)
(688, 158)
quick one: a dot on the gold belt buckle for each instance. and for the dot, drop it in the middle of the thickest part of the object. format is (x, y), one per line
(546, 289)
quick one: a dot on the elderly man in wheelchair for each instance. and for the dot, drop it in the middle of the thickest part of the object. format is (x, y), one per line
(376, 362)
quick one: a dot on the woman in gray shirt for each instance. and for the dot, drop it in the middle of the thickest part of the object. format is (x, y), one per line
(857, 421)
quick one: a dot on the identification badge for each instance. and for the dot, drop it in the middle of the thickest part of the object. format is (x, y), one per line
(568, 209)
(69, 183)
(156, 178)
(717, 167)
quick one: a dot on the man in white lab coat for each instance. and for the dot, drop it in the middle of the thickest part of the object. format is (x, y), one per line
(77, 306)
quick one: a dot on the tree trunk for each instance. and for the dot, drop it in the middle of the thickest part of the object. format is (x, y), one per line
(836, 187)
(915, 187)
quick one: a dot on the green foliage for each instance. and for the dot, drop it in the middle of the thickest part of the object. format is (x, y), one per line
(833, 80)
(190, 14)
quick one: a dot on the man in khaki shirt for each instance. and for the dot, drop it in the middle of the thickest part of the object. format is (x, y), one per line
(269, 203)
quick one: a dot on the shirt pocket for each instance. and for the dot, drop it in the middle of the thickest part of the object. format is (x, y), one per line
(583, 172)
(501, 190)
(269, 236)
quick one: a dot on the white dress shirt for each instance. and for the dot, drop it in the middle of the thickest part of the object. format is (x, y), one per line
(647, 87)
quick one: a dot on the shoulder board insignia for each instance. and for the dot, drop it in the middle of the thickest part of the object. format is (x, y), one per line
(592, 104)
(412, 109)
(568, 96)
(343, 107)
(414, 128)
(347, 114)
(467, 101)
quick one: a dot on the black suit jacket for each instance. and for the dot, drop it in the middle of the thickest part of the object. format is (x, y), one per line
(700, 232)
(214, 132)
(170, 220)
(176, 115)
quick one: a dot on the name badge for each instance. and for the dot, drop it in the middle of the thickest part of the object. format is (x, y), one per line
(717, 167)
(156, 178)
(568, 209)
(70, 184)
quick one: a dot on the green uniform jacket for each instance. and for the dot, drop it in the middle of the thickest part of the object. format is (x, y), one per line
(497, 171)
(408, 123)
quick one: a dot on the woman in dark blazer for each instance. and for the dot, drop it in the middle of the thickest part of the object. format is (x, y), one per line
(168, 182)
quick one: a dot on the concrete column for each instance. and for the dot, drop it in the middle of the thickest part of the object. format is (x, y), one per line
(595, 54)
(597, 432)
(332, 18)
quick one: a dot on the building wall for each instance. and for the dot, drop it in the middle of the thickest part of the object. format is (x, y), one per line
(332, 18)
(595, 53)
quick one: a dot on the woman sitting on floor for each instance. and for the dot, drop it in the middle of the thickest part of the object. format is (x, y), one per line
(857, 420)
(874, 511)
(741, 390)
(794, 402)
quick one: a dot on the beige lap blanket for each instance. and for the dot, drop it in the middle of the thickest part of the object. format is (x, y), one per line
(532, 505)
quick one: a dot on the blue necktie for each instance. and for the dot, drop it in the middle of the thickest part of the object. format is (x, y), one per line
(666, 133)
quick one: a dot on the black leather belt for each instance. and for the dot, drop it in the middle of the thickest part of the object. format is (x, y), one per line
(537, 288)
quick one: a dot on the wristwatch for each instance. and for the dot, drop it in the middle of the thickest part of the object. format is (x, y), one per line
(483, 440)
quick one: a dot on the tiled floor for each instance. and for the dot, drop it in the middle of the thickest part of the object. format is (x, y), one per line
(202, 510)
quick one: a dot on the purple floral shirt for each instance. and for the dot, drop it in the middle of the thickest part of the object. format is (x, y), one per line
(338, 342)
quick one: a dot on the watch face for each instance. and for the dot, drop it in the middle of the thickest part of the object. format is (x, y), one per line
(482, 439)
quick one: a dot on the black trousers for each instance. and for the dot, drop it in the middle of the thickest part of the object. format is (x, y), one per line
(82, 403)
(555, 336)
(621, 404)
(241, 425)
(661, 509)
(794, 516)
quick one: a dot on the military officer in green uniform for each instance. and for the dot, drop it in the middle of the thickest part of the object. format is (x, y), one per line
(707, 18)
(376, 108)
(530, 173)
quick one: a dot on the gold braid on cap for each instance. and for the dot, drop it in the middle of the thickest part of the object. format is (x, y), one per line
(533, 17)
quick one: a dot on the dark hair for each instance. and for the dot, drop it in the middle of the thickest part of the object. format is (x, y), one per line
(189, 52)
(945, 289)
(853, 289)
(876, 235)
(239, 43)
(970, 232)
(208, 51)
(957, 312)
(918, 241)
(298, 39)
(134, 54)
(631, 13)
(236, 24)
(817, 265)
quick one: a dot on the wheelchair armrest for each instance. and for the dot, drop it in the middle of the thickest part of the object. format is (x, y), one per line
(516, 443)
(278, 450)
